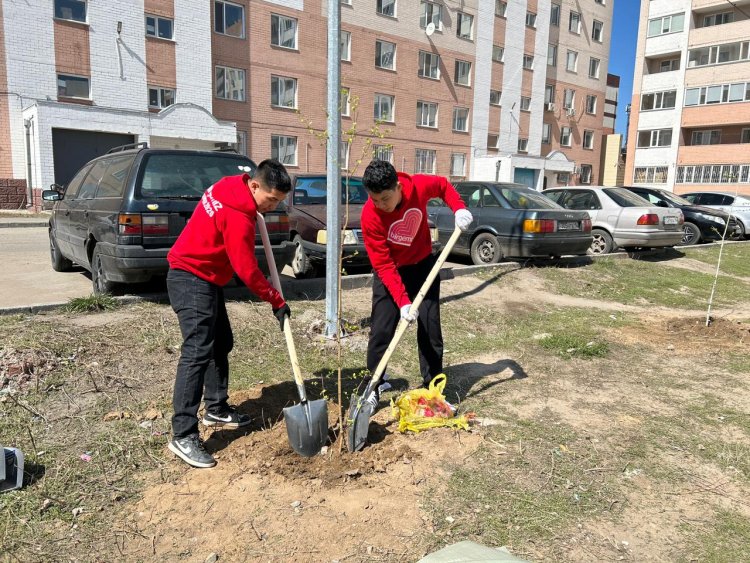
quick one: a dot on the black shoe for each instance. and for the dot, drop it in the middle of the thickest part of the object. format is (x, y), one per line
(190, 449)
(228, 418)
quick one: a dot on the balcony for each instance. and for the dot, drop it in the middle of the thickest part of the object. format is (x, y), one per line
(714, 5)
(714, 154)
(716, 115)
(720, 34)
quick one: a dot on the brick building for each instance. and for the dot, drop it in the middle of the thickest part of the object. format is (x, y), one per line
(513, 89)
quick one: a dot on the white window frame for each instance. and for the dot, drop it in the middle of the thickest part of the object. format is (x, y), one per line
(429, 65)
(501, 8)
(498, 54)
(378, 107)
(345, 45)
(424, 161)
(382, 7)
(282, 34)
(379, 59)
(227, 78)
(665, 24)
(61, 76)
(721, 18)
(461, 115)
(464, 20)
(549, 93)
(531, 20)
(157, 20)
(224, 4)
(430, 12)
(528, 62)
(344, 147)
(591, 103)
(345, 98)
(379, 151)
(597, 31)
(574, 17)
(523, 145)
(597, 64)
(575, 62)
(525, 104)
(279, 90)
(456, 159)
(499, 97)
(546, 133)
(284, 142)
(588, 139)
(650, 175)
(660, 100)
(56, 8)
(554, 14)
(466, 66)
(552, 49)
(656, 138)
(569, 98)
(565, 136)
(585, 173)
(161, 94)
(427, 114)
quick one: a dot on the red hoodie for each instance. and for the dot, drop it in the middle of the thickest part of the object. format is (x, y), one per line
(402, 237)
(219, 239)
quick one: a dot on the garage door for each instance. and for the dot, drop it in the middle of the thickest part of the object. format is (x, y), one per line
(71, 149)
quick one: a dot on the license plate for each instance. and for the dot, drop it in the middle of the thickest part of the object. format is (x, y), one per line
(568, 226)
(670, 220)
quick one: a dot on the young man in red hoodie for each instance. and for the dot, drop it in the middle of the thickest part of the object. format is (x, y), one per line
(398, 242)
(218, 241)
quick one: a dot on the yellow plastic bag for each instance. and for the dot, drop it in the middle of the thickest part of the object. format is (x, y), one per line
(420, 409)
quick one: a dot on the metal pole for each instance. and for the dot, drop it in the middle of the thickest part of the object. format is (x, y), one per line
(333, 173)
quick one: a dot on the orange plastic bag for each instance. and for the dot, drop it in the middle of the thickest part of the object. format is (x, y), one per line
(421, 409)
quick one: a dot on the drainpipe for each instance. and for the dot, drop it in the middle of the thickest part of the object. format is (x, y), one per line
(497, 170)
(29, 192)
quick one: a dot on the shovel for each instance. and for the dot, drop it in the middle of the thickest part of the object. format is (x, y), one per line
(306, 423)
(361, 411)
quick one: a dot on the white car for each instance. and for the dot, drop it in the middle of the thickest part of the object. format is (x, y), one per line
(737, 205)
(621, 219)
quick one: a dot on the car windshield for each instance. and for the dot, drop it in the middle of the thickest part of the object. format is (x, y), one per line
(522, 198)
(314, 191)
(677, 200)
(626, 198)
(186, 176)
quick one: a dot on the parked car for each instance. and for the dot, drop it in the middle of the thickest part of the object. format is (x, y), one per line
(737, 205)
(620, 218)
(701, 223)
(122, 212)
(511, 220)
(308, 218)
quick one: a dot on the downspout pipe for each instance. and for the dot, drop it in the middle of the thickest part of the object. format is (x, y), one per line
(27, 123)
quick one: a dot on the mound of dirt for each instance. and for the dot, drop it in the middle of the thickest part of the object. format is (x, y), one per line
(736, 332)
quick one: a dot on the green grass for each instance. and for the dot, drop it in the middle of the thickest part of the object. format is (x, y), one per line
(723, 539)
(91, 304)
(735, 259)
(569, 346)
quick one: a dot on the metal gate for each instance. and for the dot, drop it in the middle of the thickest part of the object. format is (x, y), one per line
(71, 149)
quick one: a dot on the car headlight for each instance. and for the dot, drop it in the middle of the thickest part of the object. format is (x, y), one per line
(712, 218)
(347, 236)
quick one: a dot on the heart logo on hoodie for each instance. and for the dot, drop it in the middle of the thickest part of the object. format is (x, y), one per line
(405, 229)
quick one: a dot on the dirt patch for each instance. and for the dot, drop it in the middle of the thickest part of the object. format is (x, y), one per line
(21, 368)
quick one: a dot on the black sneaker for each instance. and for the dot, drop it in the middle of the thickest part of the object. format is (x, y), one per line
(190, 449)
(229, 419)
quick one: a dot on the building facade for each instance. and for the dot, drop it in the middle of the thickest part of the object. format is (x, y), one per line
(690, 112)
(514, 89)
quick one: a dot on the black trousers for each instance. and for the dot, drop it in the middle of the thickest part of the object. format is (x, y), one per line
(203, 368)
(386, 315)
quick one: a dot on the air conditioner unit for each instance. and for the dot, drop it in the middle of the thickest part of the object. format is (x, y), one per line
(570, 112)
(549, 106)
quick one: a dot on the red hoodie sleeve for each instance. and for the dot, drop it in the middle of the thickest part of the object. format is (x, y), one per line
(439, 186)
(239, 240)
(382, 262)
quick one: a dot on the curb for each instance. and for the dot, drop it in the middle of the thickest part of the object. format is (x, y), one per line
(13, 225)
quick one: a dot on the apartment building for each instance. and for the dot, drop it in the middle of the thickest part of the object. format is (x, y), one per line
(690, 117)
(513, 89)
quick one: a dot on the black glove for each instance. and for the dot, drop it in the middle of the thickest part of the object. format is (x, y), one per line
(282, 312)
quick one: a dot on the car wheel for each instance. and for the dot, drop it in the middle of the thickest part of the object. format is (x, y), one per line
(691, 234)
(302, 267)
(602, 243)
(99, 276)
(59, 262)
(743, 231)
(485, 249)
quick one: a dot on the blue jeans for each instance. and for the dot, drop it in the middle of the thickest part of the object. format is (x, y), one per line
(203, 369)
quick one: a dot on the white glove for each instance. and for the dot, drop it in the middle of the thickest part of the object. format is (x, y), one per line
(408, 315)
(463, 219)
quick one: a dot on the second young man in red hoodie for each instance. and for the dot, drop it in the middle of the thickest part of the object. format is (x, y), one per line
(218, 241)
(398, 242)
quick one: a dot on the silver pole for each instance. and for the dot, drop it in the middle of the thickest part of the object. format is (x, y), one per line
(333, 173)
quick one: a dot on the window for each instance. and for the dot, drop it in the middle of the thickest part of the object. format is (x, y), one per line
(458, 164)
(500, 8)
(463, 73)
(384, 108)
(73, 87)
(528, 62)
(160, 97)
(74, 10)
(495, 97)
(498, 53)
(345, 46)
(718, 19)
(382, 152)
(283, 31)
(659, 100)
(464, 26)
(565, 136)
(574, 22)
(461, 119)
(241, 144)
(745, 137)
(650, 175)
(569, 98)
(549, 94)
(429, 65)
(585, 173)
(554, 15)
(283, 92)
(385, 55)
(431, 13)
(654, 138)
(666, 24)
(594, 68)
(572, 64)
(669, 65)
(597, 31)
(546, 133)
(591, 104)
(344, 155)
(588, 139)
(163, 28)
(426, 114)
(345, 102)
(712, 137)
(531, 19)
(525, 103)
(112, 183)
(717, 54)
(284, 149)
(523, 145)
(551, 55)
(602, 2)
(424, 163)
(229, 19)
(386, 8)
(230, 83)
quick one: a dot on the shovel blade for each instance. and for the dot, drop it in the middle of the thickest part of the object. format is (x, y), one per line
(307, 426)
(360, 412)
